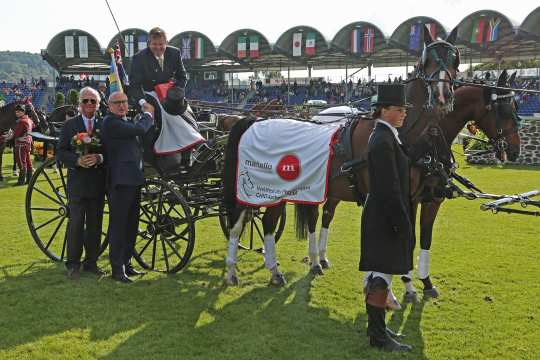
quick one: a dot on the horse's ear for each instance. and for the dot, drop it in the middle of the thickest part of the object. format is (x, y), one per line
(427, 36)
(512, 78)
(451, 38)
(501, 81)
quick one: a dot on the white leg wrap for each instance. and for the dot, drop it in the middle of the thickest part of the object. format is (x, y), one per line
(385, 277)
(323, 242)
(234, 237)
(409, 287)
(270, 260)
(313, 250)
(423, 264)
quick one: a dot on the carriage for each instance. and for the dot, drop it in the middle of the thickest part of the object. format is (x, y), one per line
(172, 202)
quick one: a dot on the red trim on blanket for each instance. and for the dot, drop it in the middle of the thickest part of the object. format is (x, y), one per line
(185, 148)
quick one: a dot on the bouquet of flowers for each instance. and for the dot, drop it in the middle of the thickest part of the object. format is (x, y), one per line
(85, 143)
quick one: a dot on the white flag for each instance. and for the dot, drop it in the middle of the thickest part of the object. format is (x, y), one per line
(70, 52)
(129, 45)
(83, 46)
(297, 44)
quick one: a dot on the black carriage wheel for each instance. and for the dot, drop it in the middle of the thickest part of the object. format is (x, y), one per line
(47, 213)
(254, 229)
(166, 230)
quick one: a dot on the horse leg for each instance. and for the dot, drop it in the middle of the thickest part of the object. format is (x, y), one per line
(428, 213)
(329, 209)
(232, 251)
(313, 248)
(270, 220)
(2, 147)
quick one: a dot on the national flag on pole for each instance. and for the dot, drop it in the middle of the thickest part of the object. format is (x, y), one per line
(122, 75)
(83, 47)
(185, 51)
(414, 36)
(114, 82)
(369, 40)
(310, 43)
(477, 35)
(432, 27)
(69, 46)
(254, 46)
(199, 48)
(241, 52)
(356, 41)
(297, 44)
(493, 29)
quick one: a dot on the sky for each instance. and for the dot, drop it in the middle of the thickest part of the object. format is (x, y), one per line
(28, 25)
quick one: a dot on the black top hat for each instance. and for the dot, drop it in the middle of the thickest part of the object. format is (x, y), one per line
(391, 94)
(19, 107)
(174, 102)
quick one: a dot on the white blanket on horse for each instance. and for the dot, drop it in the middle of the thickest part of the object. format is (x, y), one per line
(178, 132)
(284, 160)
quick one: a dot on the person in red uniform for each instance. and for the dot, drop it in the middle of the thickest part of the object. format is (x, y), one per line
(23, 144)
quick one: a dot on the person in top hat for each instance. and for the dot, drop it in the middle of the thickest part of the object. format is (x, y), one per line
(387, 239)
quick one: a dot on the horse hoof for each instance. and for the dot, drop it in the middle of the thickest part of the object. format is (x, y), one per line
(316, 270)
(431, 293)
(325, 264)
(410, 296)
(278, 280)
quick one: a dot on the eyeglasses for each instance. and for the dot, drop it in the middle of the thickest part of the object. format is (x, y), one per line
(91, 101)
(119, 102)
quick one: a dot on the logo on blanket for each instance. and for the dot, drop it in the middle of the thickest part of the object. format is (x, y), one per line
(288, 167)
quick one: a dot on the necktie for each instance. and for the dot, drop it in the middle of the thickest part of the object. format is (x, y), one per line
(90, 126)
(160, 61)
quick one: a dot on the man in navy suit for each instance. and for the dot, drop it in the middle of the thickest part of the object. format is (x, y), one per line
(157, 64)
(124, 180)
(85, 188)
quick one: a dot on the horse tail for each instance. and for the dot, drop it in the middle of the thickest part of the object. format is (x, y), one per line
(301, 212)
(230, 166)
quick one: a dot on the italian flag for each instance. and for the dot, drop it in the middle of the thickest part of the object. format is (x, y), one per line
(254, 46)
(310, 44)
(199, 48)
(478, 31)
(297, 44)
(242, 41)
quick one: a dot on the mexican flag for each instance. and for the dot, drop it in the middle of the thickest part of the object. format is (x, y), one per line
(254, 46)
(199, 48)
(310, 44)
(242, 42)
(297, 44)
(477, 35)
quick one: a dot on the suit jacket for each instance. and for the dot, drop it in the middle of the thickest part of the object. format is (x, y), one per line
(145, 72)
(387, 236)
(123, 150)
(81, 182)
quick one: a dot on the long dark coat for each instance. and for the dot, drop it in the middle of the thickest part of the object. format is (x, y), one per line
(387, 240)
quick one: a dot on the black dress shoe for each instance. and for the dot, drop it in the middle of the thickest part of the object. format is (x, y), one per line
(393, 334)
(389, 344)
(130, 271)
(73, 274)
(94, 270)
(122, 278)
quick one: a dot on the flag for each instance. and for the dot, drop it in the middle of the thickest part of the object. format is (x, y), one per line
(310, 44)
(122, 75)
(297, 44)
(369, 40)
(114, 83)
(129, 45)
(254, 46)
(432, 27)
(141, 42)
(83, 47)
(414, 36)
(356, 41)
(477, 35)
(199, 48)
(185, 52)
(493, 29)
(241, 51)
(69, 47)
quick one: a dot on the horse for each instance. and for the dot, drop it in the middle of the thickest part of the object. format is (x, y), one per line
(270, 108)
(436, 69)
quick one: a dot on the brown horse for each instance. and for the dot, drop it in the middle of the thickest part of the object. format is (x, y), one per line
(272, 108)
(437, 67)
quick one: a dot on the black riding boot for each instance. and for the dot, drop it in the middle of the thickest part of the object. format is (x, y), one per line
(377, 292)
(22, 178)
(29, 176)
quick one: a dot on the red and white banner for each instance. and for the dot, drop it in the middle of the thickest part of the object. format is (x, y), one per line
(284, 160)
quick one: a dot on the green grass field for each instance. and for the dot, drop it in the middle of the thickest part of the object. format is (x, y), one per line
(486, 266)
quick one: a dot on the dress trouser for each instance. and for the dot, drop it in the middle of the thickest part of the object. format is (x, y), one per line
(83, 211)
(22, 156)
(124, 203)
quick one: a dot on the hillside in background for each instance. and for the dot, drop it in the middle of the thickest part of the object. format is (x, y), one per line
(15, 65)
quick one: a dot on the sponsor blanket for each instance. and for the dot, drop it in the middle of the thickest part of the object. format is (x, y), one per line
(284, 160)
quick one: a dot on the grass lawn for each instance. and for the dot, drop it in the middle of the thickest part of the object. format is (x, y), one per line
(486, 267)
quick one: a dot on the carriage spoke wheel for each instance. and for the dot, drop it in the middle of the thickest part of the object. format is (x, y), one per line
(47, 213)
(252, 235)
(166, 230)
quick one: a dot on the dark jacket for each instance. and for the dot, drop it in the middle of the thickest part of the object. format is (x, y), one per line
(145, 72)
(123, 150)
(387, 240)
(81, 182)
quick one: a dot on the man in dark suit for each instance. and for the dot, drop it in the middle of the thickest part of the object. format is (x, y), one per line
(85, 188)
(124, 180)
(387, 240)
(157, 64)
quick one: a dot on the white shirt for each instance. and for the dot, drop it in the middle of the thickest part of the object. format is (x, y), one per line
(87, 122)
(394, 130)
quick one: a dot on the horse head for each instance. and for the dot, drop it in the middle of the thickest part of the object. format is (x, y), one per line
(438, 67)
(500, 121)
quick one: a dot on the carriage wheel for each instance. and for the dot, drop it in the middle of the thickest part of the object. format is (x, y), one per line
(254, 229)
(47, 213)
(166, 229)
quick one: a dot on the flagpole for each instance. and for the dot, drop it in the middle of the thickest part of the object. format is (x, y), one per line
(119, 34)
